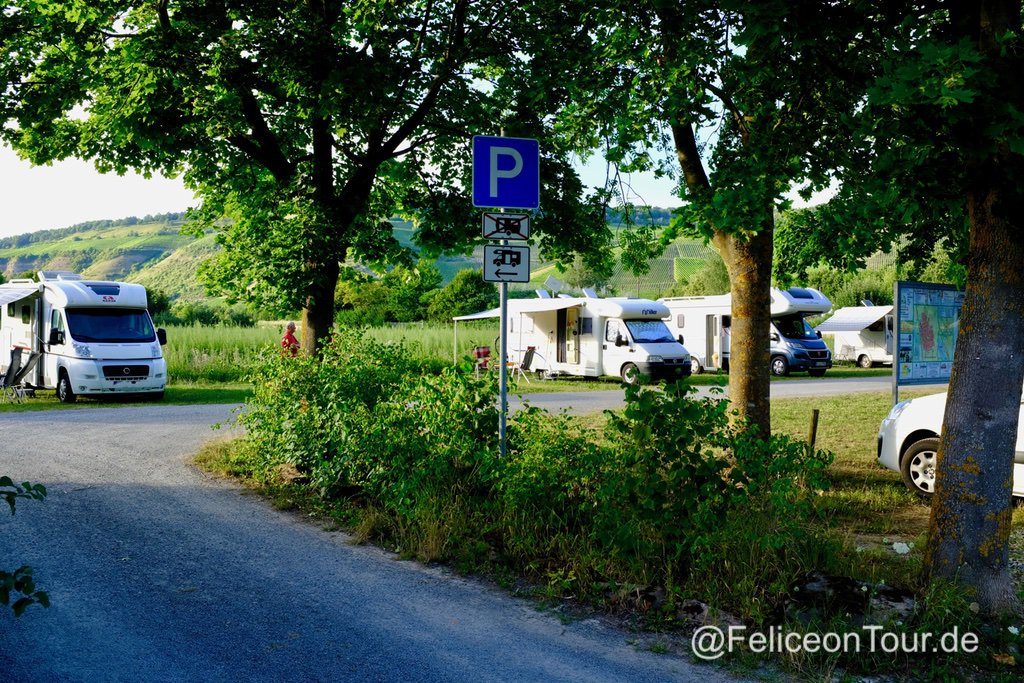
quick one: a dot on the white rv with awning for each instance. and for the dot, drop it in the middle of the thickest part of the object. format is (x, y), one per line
(592, 337)
(80, 337)
(862, 334)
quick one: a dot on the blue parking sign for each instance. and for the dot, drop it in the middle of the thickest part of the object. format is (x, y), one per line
(506, 172)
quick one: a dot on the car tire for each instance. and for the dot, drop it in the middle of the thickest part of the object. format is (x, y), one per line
(630, 374)
(695, 367)
(864, 361)
(917, 466)
(780, 367)
(816, 373)
(65, 394)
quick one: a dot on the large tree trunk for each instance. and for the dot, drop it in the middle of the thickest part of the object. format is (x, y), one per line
(968, 539)
(970, 521)
(318, 313)
(749, 262)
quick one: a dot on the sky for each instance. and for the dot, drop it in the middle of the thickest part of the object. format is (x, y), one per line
(68, 192)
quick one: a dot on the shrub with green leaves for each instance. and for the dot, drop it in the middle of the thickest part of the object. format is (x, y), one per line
(641, 505)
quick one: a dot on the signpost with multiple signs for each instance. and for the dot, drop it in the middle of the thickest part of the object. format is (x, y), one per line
(506, 174)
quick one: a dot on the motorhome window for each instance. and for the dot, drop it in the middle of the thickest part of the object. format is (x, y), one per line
(726, 322)
(26, 315)
(106, 290)
(56, 322)
(10, 310)
(649, 331)
(586, 326)
(110, 325)
(794, 327)
(611, 330)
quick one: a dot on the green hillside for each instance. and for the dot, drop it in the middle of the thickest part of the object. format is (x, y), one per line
(153, 252)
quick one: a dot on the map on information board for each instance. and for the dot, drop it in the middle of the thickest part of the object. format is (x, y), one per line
(929, 320)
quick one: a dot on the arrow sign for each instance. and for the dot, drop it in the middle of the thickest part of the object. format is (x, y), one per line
(504, 263)
(506, 226)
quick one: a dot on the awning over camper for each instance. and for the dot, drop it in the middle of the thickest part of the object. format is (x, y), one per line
(854, 318)
(527, 306)
(493, 313)
(12, 294)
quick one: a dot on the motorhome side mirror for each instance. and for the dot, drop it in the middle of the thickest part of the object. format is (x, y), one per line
(161, 336)
(619, 341)
(680, 338)
(818, 333)
(56, 338)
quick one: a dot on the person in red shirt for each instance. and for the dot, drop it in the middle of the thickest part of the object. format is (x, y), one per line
(289, 344)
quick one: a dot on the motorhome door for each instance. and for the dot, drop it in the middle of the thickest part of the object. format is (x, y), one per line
(713, 343)
(568, 336)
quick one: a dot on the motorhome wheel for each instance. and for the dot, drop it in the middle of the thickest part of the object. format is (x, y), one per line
(780, 367)
(695, 367)
(630, 374)
(64, 391)
(864, 361)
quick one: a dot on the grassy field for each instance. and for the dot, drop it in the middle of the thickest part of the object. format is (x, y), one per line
(176, 394)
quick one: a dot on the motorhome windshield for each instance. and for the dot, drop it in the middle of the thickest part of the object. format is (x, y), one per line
(649, 331)
(794, 327)
(110, 325)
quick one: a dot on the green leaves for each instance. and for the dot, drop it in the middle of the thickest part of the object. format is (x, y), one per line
(20, 582)
(11, 492)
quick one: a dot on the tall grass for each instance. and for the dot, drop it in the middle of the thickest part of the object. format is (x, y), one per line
(222, 354)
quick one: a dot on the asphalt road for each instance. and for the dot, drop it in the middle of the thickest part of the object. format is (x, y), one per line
(580, 402)
(160, 573)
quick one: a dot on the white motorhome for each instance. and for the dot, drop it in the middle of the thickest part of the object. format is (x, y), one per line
(81, 337)
(592, 337)
(862, 334)
(704, 323)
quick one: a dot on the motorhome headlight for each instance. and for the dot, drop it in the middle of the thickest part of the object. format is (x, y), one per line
(82, 350)
(655, 359)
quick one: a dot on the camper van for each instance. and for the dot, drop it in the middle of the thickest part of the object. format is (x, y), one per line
(863, 334)
(81, 337)
(704, 322)
(592, 337)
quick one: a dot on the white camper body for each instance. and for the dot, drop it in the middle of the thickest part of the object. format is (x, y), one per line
(86, 337)
(592, 337)
(862, 334)
(705, 322)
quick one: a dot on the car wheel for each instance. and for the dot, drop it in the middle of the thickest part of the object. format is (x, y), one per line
(65, 394)
(918, 466)
(816, 373)
(695, 366)
(780, 368)
(864, 361)
(630, 374)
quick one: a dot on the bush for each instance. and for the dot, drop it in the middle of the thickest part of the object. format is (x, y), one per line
(642, 506)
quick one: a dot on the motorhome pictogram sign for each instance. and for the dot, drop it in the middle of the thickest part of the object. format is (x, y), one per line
(506, 226)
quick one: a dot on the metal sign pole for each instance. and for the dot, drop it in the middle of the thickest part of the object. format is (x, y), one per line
(503, 370)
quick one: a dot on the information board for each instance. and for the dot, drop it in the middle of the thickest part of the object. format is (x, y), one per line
(927, 319)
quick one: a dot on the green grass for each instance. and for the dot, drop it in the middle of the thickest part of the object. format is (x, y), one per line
(176, 394)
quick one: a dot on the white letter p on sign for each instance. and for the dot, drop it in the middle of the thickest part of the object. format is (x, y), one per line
(496, 152)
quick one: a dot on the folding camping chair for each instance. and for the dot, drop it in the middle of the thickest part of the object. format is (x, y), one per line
(523, 366)
(13, 388)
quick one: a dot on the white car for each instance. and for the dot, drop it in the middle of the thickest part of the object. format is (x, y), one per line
(908, 442)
